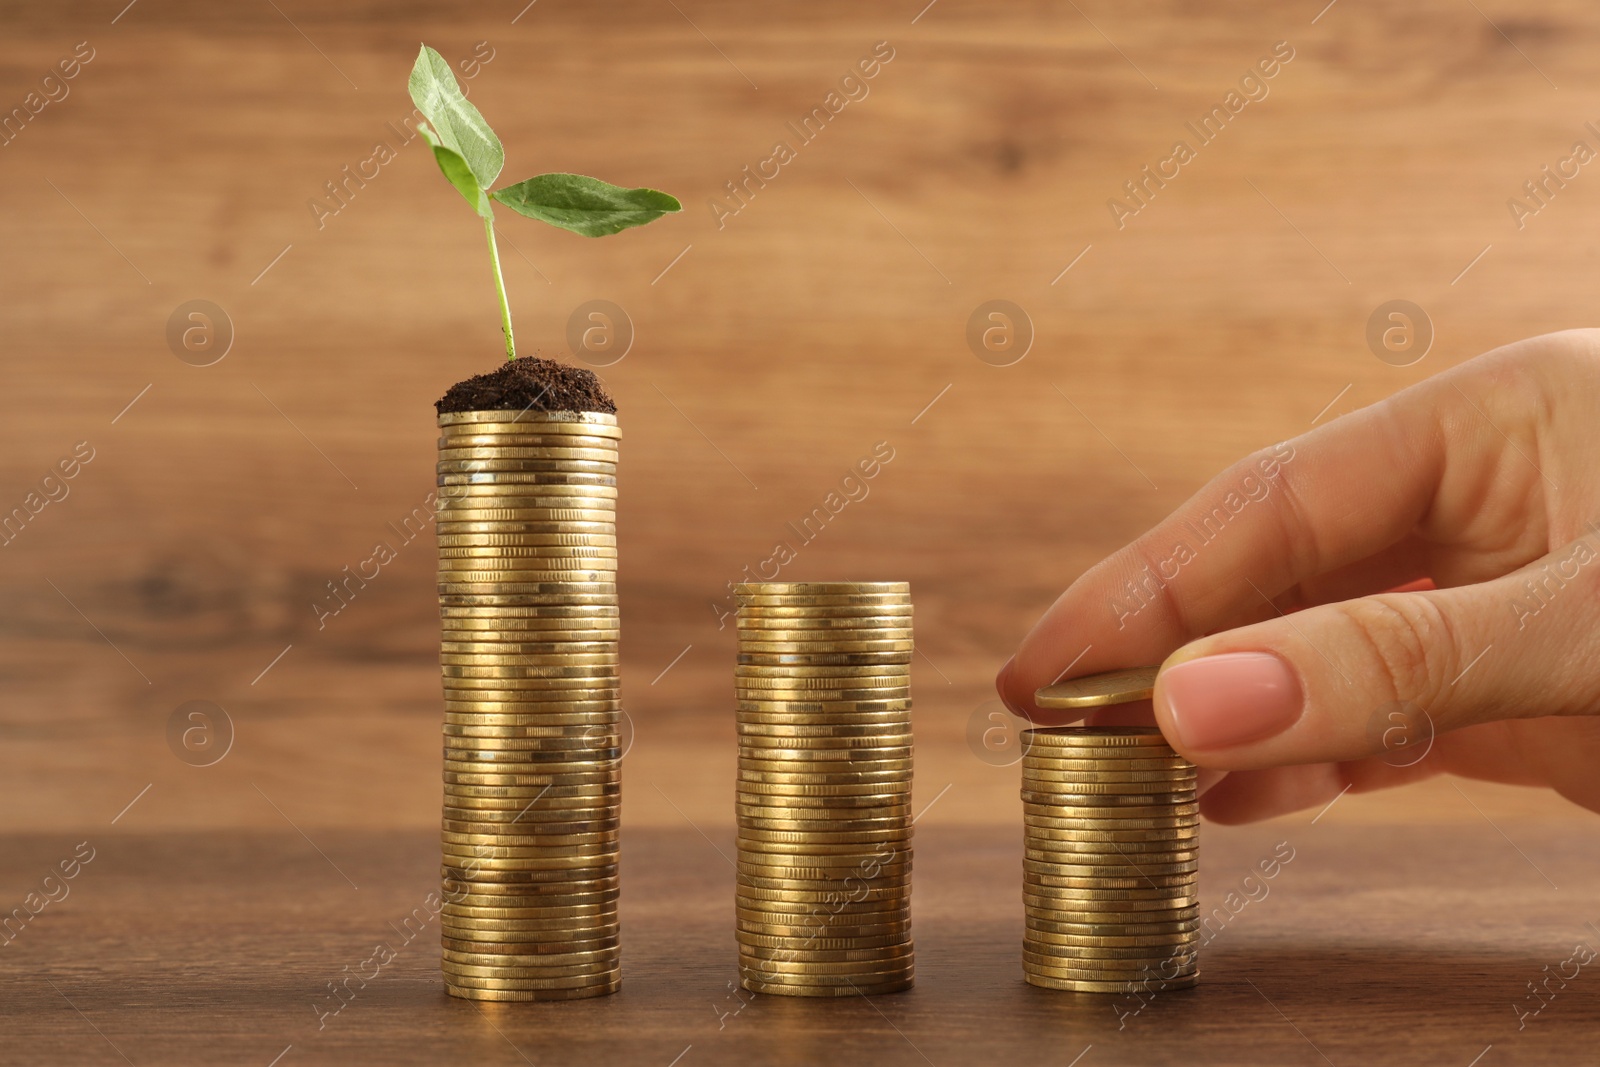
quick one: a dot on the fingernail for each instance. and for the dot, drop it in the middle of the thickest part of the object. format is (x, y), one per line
(1231, 699)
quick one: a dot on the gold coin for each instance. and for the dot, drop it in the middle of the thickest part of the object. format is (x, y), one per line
(784, 589)
(551, 827)
(600, 530)
(557, 794)
(545, 930)
(793, 837)
(491, 467)
(550, 542)
(780, 633)
(757, 677)
(1066, 898)
(848, 884)
(1044, 739)
(828, 901)
(582, 951)
(826, 827)
(1053, 921)
(846, 743)
(818, 807)
(887, 772)
(524, 571)
(764, 943)
(848, 691)
(1097, 690)
(515, 996)
(779, 792)
(1122, 936)
(533, 897)
(552, 591)
(1075, 779)
(825, 713)
(532, 713)
(1130, 975)
(749, 622)
(757, 954)
(494, 516)
(549, 557)
(463, 786)
(801, 729)
(794, 816)
(805, 970)
(1112, 805)
(901, 927)
(1075, 841)
(1184, 817)
(531, 439)
(536, 972)
(586, 610)
(601, 744)
(472, 913)
(1050, 930)
(1093, 761)
(1071, 985)
(842, 989)
(533, 988)
(506, 631)
(599, 726)
(551, 947)
(462, 965)
(862, 981)
(597, 491)
(528, 772)
(885, 909)
(531, 660)
(1082, 786)
(456, 457)
(780, 642)
(838, 613)
(842, 660)
(876, 851)
(600, 684)
(1125, 947)
(512, 920)
(1113, 867)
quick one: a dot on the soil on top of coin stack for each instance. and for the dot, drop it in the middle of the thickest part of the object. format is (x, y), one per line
(529, 383)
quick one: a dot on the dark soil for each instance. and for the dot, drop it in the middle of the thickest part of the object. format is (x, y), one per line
(529, 383)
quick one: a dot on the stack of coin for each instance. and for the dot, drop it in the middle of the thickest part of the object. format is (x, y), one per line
(1111, 860)
(824, 793)
(527, 593)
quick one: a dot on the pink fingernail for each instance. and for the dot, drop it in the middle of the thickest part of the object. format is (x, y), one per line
(1231, 699)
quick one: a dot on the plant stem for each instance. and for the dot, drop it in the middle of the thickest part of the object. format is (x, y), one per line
(500, 287)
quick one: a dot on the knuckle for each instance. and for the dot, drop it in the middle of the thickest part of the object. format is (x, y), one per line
(1408, 643)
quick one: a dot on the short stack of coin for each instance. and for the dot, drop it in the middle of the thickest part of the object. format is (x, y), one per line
(824, 792)
(1111, 860)
(527, 593)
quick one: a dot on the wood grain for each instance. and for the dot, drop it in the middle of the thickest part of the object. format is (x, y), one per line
(774, 348)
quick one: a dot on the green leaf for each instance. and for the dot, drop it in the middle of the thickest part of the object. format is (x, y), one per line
(460, 127)
(458, 171)
(586, 206)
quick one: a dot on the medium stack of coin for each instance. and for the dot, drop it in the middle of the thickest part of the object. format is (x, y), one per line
(824, 794)
(1111, 860)
(527, 594)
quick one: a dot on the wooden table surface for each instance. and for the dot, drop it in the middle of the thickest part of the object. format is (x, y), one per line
(773, 348)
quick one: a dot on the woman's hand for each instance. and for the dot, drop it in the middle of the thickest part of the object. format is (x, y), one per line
(1484, 479)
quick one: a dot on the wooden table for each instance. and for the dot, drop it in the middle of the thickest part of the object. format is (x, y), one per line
(773, 348)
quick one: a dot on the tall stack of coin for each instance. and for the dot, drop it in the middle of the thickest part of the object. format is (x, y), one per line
(527, 594)
(1111, 839)
(824, 793)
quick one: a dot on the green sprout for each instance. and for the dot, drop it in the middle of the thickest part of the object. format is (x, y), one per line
(470, 155)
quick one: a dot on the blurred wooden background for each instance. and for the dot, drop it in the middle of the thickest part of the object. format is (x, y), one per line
(772, 350)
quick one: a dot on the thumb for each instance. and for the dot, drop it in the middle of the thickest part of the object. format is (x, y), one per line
(1333, 682)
